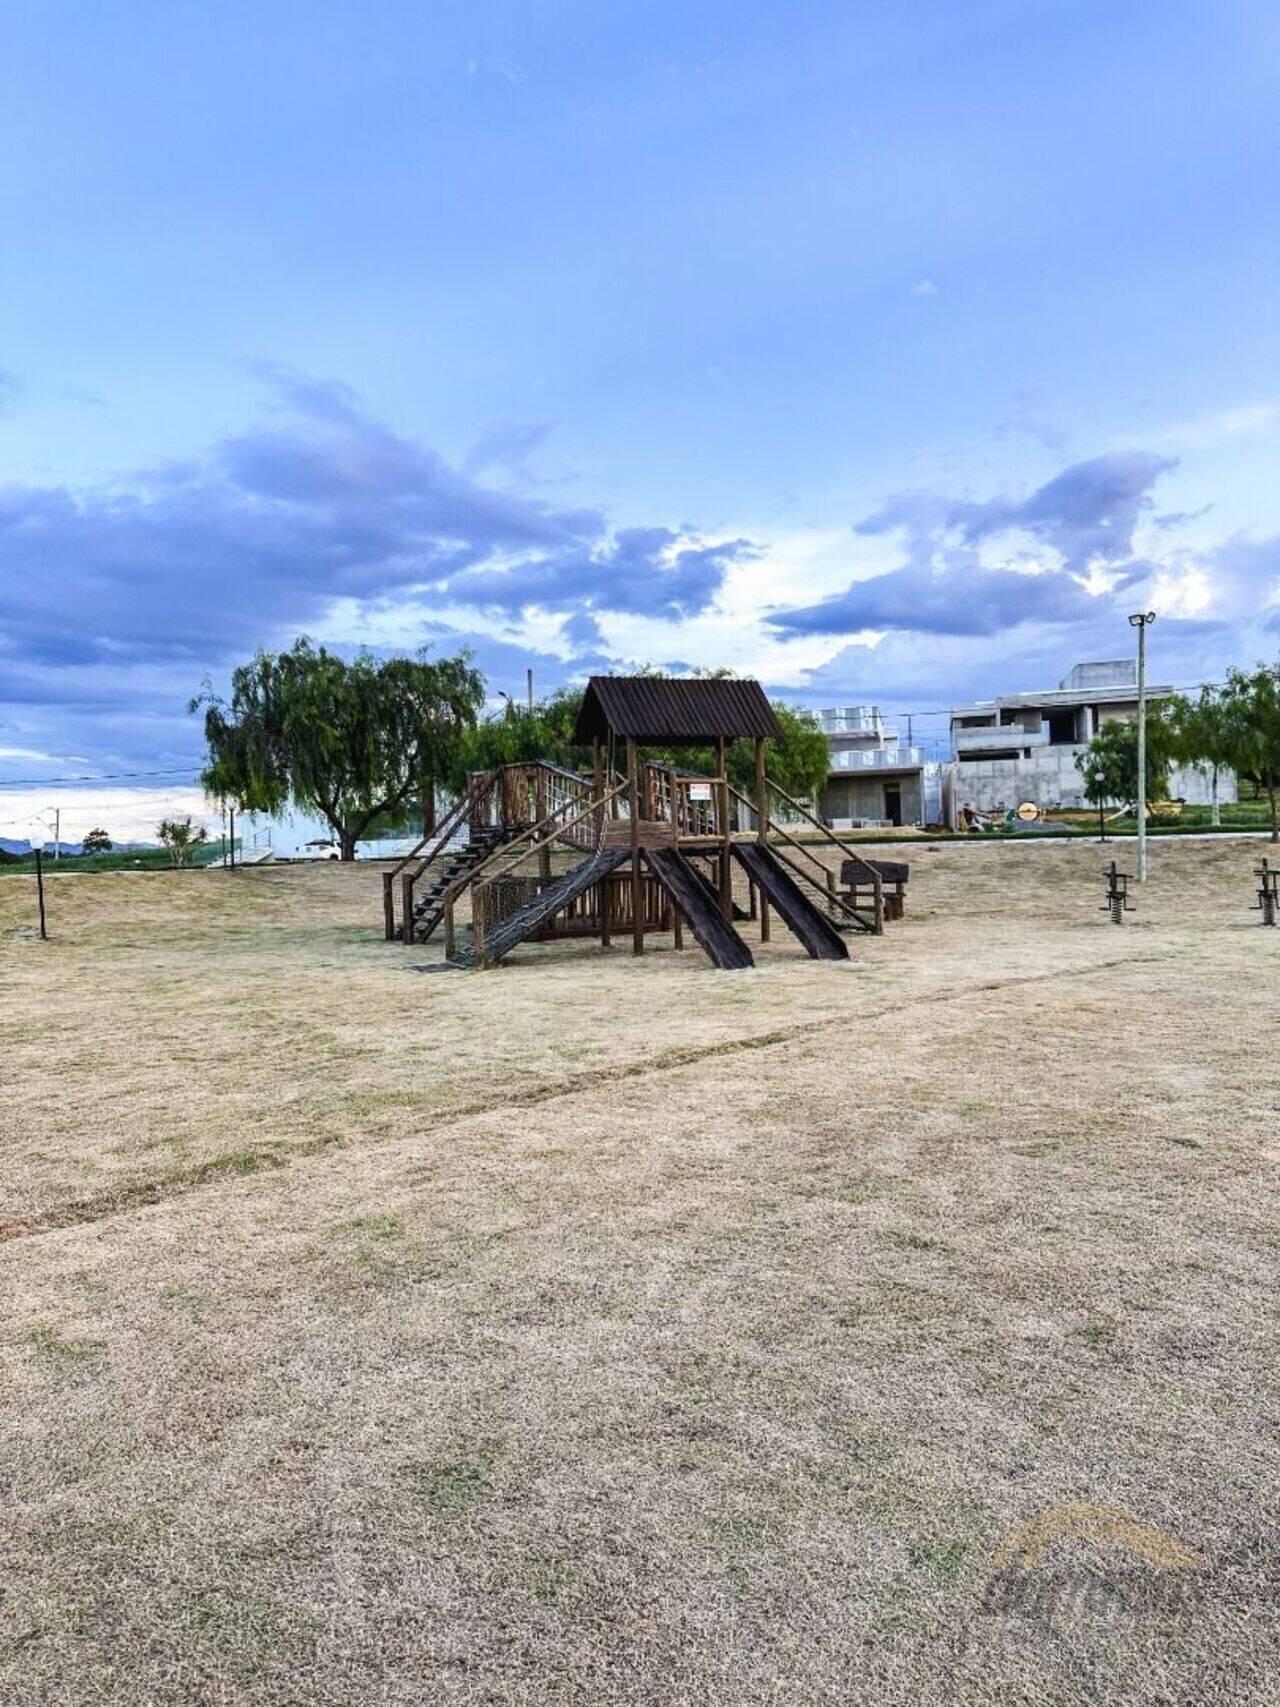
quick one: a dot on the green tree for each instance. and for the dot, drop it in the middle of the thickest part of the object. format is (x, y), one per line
(798, 763)
(352, 742)
(181, 837)
(96, 842)
(519, 736)
(1109, 764)
(1203, 736)
(1251, 708)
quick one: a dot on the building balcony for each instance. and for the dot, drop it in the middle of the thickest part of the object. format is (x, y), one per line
(852, 720)
(998, 738)
(876, 759)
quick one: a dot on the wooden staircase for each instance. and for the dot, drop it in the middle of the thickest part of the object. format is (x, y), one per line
(444, 874)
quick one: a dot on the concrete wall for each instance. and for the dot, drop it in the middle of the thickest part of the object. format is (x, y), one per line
(1051, 778)
(863, 796)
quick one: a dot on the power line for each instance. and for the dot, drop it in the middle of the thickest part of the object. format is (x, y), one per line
(1029, 693)
(192, 775)
(100, 776)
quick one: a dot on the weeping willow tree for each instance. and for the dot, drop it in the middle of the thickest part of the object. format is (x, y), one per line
(351, 742)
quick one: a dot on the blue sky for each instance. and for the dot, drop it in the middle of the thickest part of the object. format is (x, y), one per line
(887, 353)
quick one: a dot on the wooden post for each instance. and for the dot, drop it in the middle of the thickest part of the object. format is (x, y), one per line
(406, 907)
(389, 905)
(44, 934)
(477, 924)
(726, 837)
(604, 889)
(762, 826)
(633, 789)
(450, 935)
(539, 813)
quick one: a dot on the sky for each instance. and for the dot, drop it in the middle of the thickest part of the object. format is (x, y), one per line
(888, 354)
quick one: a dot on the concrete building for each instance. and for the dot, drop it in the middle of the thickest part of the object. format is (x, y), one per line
(1024, 746)
(873, 778)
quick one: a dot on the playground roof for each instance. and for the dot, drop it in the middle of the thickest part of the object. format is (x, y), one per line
(674, 712)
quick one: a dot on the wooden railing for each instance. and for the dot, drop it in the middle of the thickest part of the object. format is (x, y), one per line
(697, 805)
(806, 864)
(524, 793)
(516, 794)
(575, 832)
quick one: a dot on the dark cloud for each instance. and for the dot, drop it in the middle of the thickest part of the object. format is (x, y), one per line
(968, 601)
(642, 570)
(187, 566)
(1086, 516)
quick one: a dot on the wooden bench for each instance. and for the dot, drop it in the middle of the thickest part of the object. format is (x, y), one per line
(855, 875)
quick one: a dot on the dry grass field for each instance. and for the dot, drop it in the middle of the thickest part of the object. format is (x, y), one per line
(595, 1331)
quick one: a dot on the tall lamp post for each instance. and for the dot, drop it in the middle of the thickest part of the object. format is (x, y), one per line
(1140, 622)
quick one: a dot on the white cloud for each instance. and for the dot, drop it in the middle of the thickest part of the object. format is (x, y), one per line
(126, 814)
(33, 756)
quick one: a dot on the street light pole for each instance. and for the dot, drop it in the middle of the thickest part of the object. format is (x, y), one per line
(1140, 622)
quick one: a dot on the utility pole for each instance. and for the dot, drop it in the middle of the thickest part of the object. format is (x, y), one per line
(1140, 621)
(57, 832)
(529, 686)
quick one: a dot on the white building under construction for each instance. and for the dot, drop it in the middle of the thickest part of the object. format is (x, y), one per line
(1026, 746)
(872, 777)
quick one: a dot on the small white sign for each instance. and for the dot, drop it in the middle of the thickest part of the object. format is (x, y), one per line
(699, 791)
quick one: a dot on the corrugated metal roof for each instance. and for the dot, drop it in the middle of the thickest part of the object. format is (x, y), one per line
(670, 711)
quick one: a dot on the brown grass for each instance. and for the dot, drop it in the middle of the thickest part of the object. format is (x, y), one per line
(598, 1331)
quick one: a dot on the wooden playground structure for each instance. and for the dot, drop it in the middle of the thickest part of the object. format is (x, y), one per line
(550, 853)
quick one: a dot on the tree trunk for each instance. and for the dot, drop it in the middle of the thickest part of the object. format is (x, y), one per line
(346, 845)
(429, 809)
(1275, 822)
(1216, 819)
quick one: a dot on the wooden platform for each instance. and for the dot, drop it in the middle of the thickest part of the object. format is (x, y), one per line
(654, 833)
